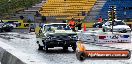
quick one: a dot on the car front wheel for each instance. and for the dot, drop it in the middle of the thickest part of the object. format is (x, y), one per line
(46, 47)
(65, 48)
(124, 31)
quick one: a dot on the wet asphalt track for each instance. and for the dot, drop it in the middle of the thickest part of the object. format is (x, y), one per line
(26, 43)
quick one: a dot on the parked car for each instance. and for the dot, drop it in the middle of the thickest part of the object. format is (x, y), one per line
(7, 27)
(118, 26)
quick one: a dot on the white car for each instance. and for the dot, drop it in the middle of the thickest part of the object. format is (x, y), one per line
(7, 27)
(57, 35)
(119, 26)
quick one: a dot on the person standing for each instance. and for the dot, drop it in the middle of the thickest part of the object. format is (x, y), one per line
(64, 21)
(100, 19)
(37, 29)
(79, 24)
(72, 24)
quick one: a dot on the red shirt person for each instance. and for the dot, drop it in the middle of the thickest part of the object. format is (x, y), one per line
(100, 19)
(72, 24)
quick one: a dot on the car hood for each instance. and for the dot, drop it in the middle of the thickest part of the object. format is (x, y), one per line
(121, 26)
(62, 32)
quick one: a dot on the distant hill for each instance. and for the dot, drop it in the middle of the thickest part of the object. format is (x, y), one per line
(11, 6)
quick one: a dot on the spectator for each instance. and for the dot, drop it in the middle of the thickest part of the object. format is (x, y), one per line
(72, 24)
(79, 24)
(64, 21)
(100, 19)
(21, 17)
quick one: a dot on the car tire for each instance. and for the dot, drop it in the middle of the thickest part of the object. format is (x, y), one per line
(124, 31)
(103, 30)
(7, 29)
(74, 47)
(80, 56)
(46, 47)
(40, 47)
(65, 48)
(0, 30)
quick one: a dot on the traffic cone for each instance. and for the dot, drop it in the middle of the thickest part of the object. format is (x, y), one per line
(84, 27)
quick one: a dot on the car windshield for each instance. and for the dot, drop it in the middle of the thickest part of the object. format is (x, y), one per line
(57, 27)
(120, 23)
(61, 26)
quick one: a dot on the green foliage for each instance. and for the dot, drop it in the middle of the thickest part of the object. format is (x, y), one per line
(11, 6)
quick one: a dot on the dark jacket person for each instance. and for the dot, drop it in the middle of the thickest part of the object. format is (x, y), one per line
(79, 24)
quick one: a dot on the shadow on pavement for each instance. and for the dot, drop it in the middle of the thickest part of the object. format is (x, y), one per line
(56, 51)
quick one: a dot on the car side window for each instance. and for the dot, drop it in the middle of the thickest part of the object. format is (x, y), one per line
(47, 28)
(44, 28)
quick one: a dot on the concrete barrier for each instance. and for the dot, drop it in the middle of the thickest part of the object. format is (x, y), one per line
(10, 55)
(7, 55)
(26, 30)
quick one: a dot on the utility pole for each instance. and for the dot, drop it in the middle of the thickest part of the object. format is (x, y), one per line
(125, 10)
(112, 15)
(9, 6)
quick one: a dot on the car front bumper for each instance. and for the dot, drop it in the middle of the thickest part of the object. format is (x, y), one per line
(118, 30)
(60, 43)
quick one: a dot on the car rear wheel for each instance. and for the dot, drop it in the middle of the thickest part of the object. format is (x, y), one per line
(7, 29)
(74, 47)
(1, 30)
(40, 47)
(46, 49)
(124, 31)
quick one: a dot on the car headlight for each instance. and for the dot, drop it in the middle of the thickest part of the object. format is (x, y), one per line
(48, 38)
(51, 37)
(74, 37)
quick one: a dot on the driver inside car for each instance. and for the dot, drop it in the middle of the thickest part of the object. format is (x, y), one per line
(60, 27)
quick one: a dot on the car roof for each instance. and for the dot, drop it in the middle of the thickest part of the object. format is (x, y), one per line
(58, 23)
(117, 20)
(54, 23)
(47, 24)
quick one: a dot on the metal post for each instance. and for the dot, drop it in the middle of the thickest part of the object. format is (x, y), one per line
(9, 2)
(112, 17)
(125, 12)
